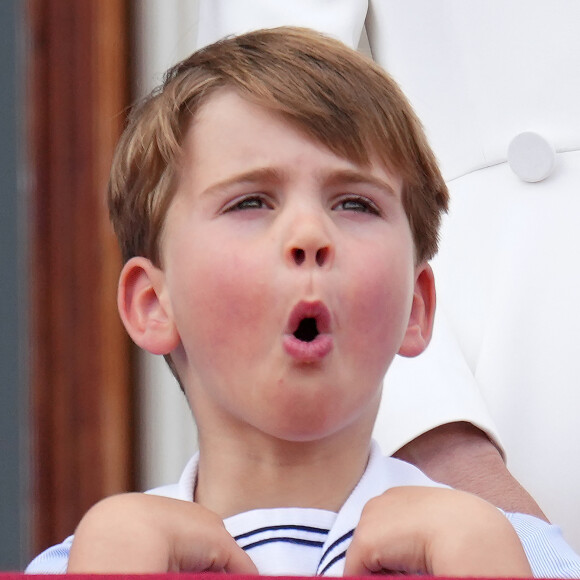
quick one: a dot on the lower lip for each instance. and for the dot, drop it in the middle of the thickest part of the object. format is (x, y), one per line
(308, 352)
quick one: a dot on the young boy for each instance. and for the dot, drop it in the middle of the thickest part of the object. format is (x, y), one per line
(277, 204)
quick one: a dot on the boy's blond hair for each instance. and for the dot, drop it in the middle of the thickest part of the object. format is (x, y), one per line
(331, 93)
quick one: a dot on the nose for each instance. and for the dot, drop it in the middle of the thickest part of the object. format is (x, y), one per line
(309, 244)
(320, 257)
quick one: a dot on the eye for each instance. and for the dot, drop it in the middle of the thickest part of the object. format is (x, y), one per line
(358, 204)
(247, 203)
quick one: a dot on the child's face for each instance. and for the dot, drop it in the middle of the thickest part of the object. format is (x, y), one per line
(268, 228)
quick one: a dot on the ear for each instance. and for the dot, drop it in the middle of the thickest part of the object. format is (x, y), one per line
(144, 307)
(420, 324)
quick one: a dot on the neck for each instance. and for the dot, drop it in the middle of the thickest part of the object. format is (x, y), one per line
(238, 475)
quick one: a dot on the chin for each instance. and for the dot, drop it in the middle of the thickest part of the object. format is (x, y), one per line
(313, 412)
(313, 425)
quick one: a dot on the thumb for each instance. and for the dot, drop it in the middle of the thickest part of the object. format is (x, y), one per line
(372, 554)
(240, 563)
(354, 566)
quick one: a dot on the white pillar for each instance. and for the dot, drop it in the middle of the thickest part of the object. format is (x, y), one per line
(166, 33)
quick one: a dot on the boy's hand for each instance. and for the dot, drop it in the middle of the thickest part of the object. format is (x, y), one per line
(138, 533)
(440, 532)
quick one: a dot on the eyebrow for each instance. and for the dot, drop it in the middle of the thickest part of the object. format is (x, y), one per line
(265, 174)
(353, 176)
(332, 178)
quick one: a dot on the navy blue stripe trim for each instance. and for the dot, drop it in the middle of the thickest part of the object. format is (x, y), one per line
(300, 541)
(282, 527)
(334, 544)
(332, 562)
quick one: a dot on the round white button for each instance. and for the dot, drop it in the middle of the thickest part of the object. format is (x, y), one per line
(531, 156)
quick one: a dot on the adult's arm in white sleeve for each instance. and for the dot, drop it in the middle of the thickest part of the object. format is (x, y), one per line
(430, 390)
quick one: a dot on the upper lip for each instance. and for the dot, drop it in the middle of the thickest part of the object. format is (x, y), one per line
(304, 309)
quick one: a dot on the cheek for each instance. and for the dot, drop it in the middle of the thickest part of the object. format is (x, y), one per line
(380, 298)
(221, 300)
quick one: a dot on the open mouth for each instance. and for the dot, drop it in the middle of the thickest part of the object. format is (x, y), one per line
(307, 330)
(308, 336)
(308, 321)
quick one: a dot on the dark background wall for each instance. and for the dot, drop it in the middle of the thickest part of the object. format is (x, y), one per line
(66, 384)
(13, 382)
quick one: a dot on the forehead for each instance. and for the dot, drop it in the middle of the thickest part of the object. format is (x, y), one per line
(231, 133)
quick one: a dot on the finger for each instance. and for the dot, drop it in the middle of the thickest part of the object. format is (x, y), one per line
(375, 554)
(354, 564)
(220, 554)
(240, 563)
(354, 567)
